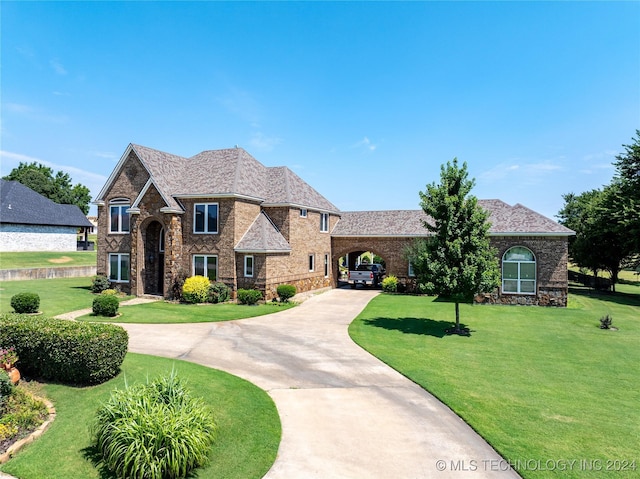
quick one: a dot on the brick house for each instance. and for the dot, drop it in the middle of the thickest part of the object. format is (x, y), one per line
(223, 214)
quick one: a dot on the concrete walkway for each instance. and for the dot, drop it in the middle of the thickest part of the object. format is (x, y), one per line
(344, 413)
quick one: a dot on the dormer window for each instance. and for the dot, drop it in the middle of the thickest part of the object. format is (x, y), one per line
(118, 215)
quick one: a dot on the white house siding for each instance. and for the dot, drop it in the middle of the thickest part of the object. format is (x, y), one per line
(14, 237)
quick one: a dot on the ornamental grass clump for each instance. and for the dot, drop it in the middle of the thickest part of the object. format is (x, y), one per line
(154, 431)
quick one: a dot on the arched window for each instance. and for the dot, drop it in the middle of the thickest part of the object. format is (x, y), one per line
(118, 215)
(519, 271)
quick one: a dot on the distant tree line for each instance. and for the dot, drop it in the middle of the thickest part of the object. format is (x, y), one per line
(607, 220)
(57, 188)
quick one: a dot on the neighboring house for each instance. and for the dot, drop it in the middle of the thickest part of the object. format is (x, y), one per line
(31, 222)
(222, 214)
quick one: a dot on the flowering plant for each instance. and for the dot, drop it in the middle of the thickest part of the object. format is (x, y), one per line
(8, 357)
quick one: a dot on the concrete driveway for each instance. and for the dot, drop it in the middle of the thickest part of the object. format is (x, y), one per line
(344, 413)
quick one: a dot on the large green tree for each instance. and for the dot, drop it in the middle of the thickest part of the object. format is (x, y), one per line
(627, 179)
(601, 242)
(57, 188)
(456, 260)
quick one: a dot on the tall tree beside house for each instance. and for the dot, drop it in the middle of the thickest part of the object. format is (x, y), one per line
(607, 221)
(628, 179)
(57, 188)
(456, 261)
(601, 242)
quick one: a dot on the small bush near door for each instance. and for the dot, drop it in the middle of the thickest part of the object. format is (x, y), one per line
(106, 305)
(196, 289)
(286, 292)
(249, 296)
(218, 293)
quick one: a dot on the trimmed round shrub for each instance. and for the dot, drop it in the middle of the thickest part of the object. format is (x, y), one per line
(99, 284)
(218, 293)
(390, 284)
(25, 303)
(69, 352)
(155, 431)
(249, 296)
(196, 289)
(286, 292)
(105, 305)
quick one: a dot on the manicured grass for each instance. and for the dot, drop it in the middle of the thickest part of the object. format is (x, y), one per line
(167, 312)
(44, 259)
(248, 424)
(536, 383)
(57, 296)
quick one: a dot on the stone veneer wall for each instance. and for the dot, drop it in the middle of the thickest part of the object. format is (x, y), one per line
(551, 255)
(130, 181)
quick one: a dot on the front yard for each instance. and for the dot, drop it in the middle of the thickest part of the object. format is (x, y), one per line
(248, 424)
(541, 385)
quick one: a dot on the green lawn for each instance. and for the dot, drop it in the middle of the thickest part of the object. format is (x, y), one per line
(57, 296)
(536, 383)
(44, 259)
(248, 424)
(166, 312)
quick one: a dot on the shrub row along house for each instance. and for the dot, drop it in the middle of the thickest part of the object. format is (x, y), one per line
(224, 215)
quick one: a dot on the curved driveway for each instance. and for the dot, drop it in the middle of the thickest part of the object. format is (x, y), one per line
(344, 413)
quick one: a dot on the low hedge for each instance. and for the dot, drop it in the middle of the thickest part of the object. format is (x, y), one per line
(65, 351)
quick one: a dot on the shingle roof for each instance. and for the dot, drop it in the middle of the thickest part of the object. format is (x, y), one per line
(505, 220)
(263, 237)
(22, 205)
(224, 172)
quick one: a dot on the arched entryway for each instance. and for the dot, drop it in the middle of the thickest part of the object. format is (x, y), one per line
(153, 270)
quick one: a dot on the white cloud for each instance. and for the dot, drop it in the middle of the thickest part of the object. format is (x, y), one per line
(241, 103)
(263, 142)
(366, 144)
(32, 113)
(57, 67)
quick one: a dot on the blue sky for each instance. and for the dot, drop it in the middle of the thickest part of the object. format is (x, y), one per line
(363, 100)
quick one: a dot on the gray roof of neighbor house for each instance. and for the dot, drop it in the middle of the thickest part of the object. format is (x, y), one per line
(506, 220)
(21, 205)
(228, 172)
(263, 237)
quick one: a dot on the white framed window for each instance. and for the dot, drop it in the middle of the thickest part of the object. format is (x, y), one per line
(312, 262)
(411, 272)
(248, 266)
(206, 265)
(303, 212)
(519, 271)
(119, 221)
(324, 222)
(119, 267)
(205, 218)
(326, 265)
